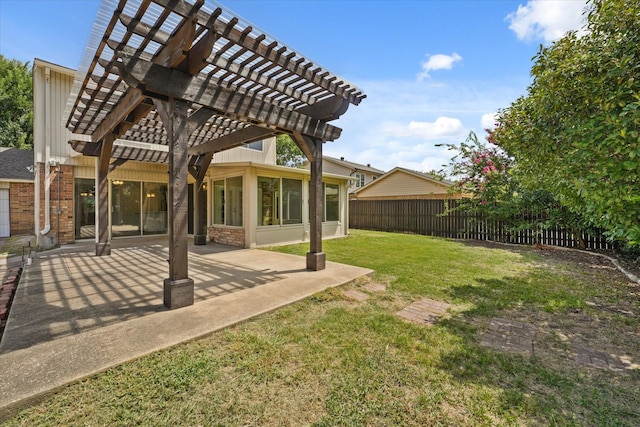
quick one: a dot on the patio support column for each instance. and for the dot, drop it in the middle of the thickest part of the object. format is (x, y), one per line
(199, 172)
(316, 259)
(103, 244)
(199, 235)
(178, 288)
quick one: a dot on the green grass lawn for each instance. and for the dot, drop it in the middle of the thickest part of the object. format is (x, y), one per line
(330, 361)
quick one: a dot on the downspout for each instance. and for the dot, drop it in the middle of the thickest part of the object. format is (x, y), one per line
(47, 152)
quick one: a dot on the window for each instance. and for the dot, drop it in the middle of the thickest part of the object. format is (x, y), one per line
(125, 214)
(154, 208)
(233, 205)
(257, 145)
(291, 201)
(218, 202)
(360, 180)
(274, 211)
(331, 202)
(138, 208)
(268, 202)
(227, 201)
(85, 208)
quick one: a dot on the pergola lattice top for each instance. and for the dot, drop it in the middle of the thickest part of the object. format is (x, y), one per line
(241, 83)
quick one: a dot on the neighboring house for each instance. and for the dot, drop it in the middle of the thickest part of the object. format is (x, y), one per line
(362, 174)
(16, 192)
(250, 200)
(401, 184)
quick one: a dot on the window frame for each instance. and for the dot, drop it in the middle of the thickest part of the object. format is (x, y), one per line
(225, 213)
(280, 195)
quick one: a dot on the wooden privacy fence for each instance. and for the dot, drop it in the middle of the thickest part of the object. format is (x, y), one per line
(425, 217)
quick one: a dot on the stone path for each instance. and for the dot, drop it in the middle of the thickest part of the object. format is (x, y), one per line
(356, 295)
(360, 296)
(426, 311)
(510, 336)
(597, 359)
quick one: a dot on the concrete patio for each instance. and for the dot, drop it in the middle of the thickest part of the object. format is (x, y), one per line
(75, 314)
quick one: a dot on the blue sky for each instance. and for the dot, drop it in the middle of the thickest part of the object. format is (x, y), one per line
(433, 70)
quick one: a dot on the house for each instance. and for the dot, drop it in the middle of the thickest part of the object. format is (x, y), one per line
(362, 174)
(16, 192)
(171, 118)
(401, 184)
(249, 201)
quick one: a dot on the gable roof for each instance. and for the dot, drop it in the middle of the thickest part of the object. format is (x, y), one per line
(389, 176)
(352, 165)
(14, 163)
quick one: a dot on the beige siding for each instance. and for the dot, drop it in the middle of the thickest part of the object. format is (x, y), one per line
(241, 154)
(84, 167)
(330, 167)
(402, 184)
(48, 123)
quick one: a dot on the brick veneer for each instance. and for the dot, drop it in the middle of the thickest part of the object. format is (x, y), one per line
(226, 236)
(61, 179)
(21, 208)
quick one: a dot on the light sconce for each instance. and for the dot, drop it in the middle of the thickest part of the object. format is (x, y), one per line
(116, 182)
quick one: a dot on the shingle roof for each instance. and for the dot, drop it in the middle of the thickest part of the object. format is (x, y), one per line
(14, 163)
(352, 165)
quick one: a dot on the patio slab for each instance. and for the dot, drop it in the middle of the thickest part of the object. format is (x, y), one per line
(76, 314)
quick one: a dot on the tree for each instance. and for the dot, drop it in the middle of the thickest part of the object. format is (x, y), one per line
(488, 174)
(288, 153)
(16, 104)
(576, 133)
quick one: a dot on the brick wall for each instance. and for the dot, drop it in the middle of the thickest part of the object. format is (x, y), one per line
(226, 236)
(61, 202)
(21, 208)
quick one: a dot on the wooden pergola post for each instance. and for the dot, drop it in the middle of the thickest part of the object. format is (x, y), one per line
(312, 149)
(199, 234)
(103, 244)
(199, 171)
(316, 259)
(178, 287)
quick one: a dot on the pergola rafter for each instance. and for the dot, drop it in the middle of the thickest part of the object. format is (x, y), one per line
(189, 79)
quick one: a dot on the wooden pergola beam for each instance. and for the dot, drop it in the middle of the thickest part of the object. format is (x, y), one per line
(255, 45)
(237, 104)
(234, 139)
(172, 54)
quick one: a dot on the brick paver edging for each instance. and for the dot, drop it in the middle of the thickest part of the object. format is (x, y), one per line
(7, 292)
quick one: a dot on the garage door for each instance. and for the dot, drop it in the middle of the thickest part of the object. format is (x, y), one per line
(5, 229)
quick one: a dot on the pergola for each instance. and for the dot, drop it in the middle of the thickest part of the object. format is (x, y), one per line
(185, 80)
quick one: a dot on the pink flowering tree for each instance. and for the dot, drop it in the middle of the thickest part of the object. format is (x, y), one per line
(488, 175)
(482, 170)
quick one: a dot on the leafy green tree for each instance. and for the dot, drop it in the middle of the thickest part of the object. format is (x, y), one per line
(16, 104)
(288, 153)
(576, 133)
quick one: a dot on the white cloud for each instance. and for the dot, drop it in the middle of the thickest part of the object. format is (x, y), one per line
(402, 121)
(548, 20)
(442, 127)
(488, 121)
(438, 62)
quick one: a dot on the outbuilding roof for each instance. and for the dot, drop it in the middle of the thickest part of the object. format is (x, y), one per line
(355, 166)
(242, 83)
(15, 164)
